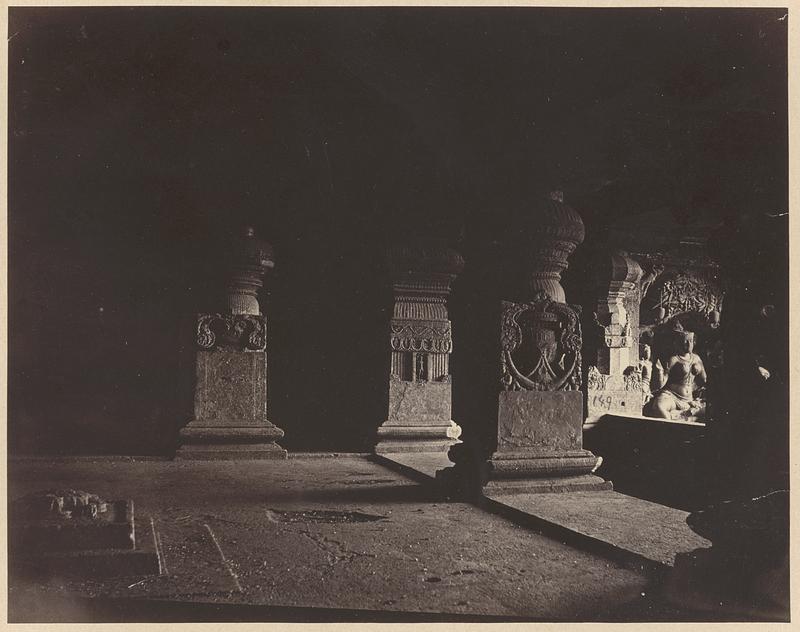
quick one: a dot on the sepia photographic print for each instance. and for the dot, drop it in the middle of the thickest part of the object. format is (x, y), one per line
(397, 314)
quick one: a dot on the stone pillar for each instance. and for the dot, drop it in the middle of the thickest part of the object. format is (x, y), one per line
(230, 401)
(540, 405)
(614, 382)
(421, 343)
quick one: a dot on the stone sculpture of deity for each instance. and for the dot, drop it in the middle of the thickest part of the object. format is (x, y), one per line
(685, 374)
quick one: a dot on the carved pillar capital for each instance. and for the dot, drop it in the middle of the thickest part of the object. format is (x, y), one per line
(420, 329)
(249, 259)
(549, 234)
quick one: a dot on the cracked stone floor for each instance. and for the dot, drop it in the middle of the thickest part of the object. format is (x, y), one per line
(338, 533)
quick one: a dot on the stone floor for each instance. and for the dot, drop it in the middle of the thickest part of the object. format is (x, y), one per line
(314, 538)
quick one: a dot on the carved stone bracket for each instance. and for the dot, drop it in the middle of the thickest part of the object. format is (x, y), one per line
(244, 332)
(546, 354)
(618, 278)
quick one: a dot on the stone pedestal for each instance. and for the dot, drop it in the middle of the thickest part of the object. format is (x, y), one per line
(231, 408)
(419, 410)
(230, 401)
(540, 414)
(539, 437)
(419, 418)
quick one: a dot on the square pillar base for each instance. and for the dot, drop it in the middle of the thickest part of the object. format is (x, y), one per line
(417, 438)
(230, 406)
(539, 445)
(419, 419)
(203, 441)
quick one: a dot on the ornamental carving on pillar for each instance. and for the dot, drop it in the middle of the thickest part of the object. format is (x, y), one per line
(633, 380)
(541, 345)
(231, 331)
(419, 331)
(617, 336)
(419, 335)
(595, 380)
(619, 281)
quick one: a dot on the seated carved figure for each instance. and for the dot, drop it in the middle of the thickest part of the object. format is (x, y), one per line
(685, 375)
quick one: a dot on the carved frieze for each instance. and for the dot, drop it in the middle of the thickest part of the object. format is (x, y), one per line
(231, 331)
(419, 335)
(540, 345)
(688, 294)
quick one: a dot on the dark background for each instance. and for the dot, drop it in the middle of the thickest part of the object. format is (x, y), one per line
(139, 136)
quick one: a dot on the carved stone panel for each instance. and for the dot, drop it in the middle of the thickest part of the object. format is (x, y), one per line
(242, 332)
(614, 394)
(685, 293)
(541, 345)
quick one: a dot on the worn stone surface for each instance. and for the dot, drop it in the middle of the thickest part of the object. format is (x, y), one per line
(256, 533)
(231, 387)
(545, 421)
(418, 403)
(656, 532)
(231, 409)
